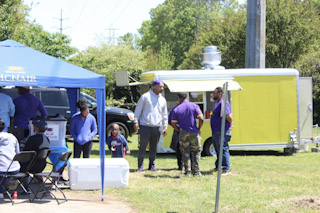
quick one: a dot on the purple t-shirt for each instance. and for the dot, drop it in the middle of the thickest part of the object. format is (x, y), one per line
(185, 116)
(27, 106)
(216, 120)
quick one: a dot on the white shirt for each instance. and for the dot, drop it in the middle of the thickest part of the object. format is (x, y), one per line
(151, 110)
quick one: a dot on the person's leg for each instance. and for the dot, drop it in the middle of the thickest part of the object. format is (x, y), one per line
(216, 143)
(179, 156)
(154, 139)
(76, 150)
(226, 154)
(144, 135)
(185, 150)
(195, 149)
(87, 149)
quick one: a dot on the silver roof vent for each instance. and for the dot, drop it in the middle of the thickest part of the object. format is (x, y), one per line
(210, 58)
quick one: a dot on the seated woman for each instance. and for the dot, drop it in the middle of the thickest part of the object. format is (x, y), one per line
(36, 143)
(9, 147)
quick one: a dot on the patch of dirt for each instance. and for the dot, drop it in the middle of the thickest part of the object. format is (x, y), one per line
(304, 202)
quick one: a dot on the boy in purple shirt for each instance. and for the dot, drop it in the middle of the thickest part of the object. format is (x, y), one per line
(216, 120)
(116, 142)
(184, 120)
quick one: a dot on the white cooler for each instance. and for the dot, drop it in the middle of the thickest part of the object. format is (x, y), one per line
(84, 174)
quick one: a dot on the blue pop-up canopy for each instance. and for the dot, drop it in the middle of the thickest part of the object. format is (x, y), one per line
(23, 66)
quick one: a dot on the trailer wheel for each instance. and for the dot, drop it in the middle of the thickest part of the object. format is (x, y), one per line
(289, 151)
(208, 148)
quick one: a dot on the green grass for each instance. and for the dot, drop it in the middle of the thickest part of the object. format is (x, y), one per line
(260, 182)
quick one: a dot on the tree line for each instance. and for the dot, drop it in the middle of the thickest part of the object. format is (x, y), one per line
(174, 36)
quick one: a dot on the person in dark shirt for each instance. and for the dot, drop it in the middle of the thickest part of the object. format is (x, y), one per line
(37, 142)
(26, 108)
(116, 142)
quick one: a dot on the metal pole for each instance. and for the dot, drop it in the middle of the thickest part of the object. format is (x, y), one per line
(256, 33)
(223, 123)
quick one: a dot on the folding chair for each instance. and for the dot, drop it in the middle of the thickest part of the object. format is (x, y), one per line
(42, 155)
(22, 157)
(50, 179)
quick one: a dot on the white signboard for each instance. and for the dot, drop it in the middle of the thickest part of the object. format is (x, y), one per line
(52, 132)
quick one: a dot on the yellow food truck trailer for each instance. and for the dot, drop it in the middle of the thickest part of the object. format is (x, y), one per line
(264, 104)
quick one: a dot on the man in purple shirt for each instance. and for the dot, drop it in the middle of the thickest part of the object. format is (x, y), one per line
(216, 120)
(184, 120)
(83, 128)
(27, 106)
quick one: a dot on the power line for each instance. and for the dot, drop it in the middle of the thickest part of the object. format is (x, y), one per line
(80, 13)
(121, 12)
(105, 17)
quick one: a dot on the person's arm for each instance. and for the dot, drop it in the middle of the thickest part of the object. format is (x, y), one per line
(229, 119)
(94, 129)
(164, 118)
(200, 117)
(125, 144)
(137, 112)
(228, 114)
(174, 125)
(42, 110)
(73, 128)
(17, 148)
(11, 111)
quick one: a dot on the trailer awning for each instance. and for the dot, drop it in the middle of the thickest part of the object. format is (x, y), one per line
(199, 85)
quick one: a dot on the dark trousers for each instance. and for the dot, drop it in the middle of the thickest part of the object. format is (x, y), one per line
(148, 134)
(176, 147)
(85, 148)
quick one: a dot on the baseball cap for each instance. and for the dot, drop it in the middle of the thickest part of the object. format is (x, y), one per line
(41, 124)
(156, 82)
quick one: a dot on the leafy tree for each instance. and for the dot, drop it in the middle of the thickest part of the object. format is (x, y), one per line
(110, 58)
(172, 25)
(54, 44)
(292, 29)
(227, 31)
(12, 17)
(309, 66)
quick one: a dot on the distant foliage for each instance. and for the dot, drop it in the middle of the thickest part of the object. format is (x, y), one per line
(106, 60)
(309, 66)
(12, 17)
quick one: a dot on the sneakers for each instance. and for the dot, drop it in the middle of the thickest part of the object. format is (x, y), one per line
(226, 173)
(153, 168)
(215, 169)
(198, 174)
(140, 169)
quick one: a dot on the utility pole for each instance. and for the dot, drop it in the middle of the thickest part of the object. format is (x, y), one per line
(111, 34)
(61, 20)
(256, 34)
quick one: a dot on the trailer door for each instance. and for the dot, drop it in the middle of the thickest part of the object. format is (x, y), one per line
(306, 111)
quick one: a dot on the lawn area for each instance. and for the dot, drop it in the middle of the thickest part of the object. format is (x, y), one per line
(265, 181)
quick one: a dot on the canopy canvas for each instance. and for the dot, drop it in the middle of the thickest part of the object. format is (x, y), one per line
(23, 66)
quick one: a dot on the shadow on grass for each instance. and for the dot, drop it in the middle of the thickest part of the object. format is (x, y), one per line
(257, 153)
(162, 176)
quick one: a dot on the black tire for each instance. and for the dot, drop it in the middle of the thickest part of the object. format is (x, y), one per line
(208, 148)
(123, 129)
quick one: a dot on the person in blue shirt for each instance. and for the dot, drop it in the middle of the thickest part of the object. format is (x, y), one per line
(7, 110)
(83, 128)
(116, 142)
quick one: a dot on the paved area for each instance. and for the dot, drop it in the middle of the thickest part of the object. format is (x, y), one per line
(78, 202)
